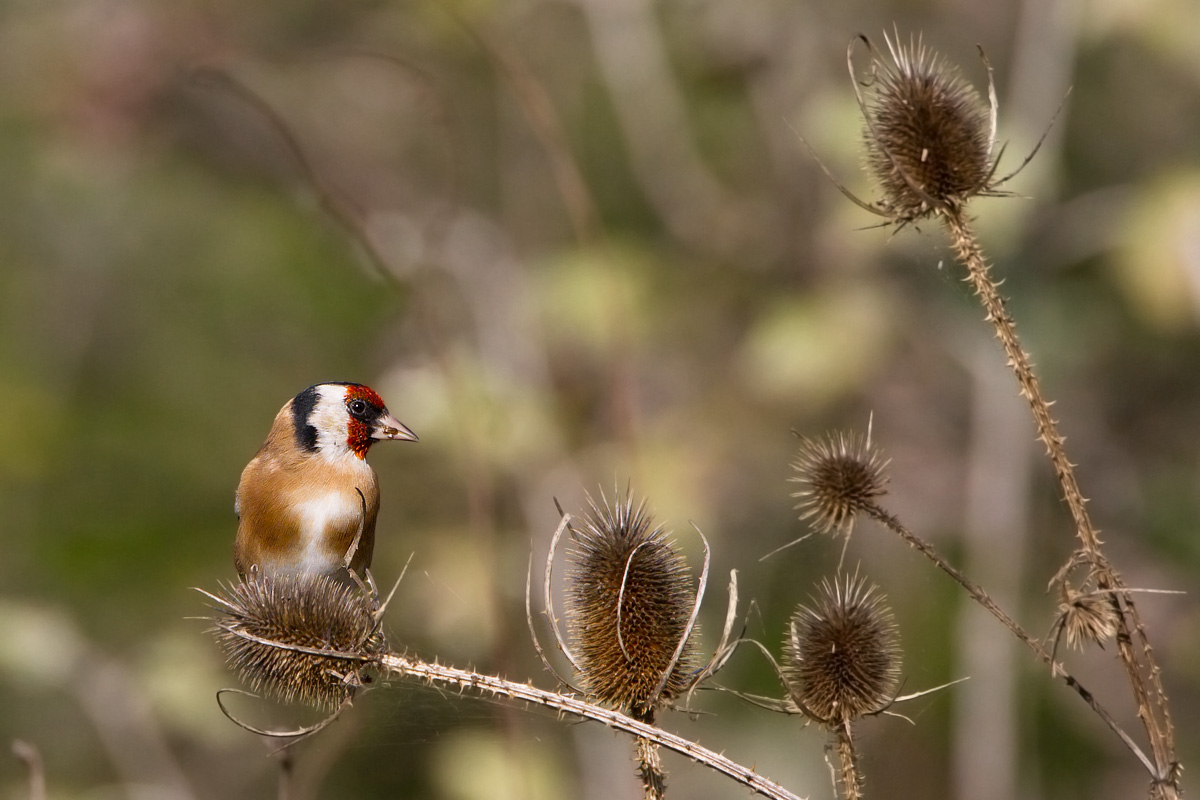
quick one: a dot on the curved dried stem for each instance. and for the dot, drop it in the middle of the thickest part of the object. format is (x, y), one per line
(792, 704)
(383, 607)
(296, 733)
(724, 649)
(851, 196)
(1038, 146)
(352, 550)
(993, 113)
(904, 698)
(767, 703)
(773, 704)
(341, 655)
(621, 604)
(444, 675)
(537, 644)
(549, 603)
(691, 625)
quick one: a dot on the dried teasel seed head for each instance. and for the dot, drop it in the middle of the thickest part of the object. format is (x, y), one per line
(841, 655)
(843, 474)
(1087, 617)
(306, 638)
(628, 605)
(928, 133)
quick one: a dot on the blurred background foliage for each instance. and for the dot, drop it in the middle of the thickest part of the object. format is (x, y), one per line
(577, 244)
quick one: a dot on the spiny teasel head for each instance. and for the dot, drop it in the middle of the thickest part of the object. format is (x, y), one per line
(842, 475)
(841, 654)
(929, 136)
(628, 606)
(302, 637)
(1087, 617)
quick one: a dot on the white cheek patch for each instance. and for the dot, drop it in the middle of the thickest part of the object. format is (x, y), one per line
(330, 419)
(334, 508)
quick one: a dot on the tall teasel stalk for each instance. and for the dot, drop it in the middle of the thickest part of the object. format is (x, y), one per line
(930, 148)
(631, 611)
(841, 661)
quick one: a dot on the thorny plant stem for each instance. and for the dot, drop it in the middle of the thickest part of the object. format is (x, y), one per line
(491, 685)
(1151, 705)
(650, 770)
(847, 760)
(980, 596)
(970, 254)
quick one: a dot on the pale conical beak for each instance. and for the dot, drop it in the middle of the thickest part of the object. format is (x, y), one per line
(388, 427)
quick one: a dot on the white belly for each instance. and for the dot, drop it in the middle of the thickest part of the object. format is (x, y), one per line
(335, 508)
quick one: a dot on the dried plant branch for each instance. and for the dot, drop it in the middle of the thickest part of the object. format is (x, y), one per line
(981, 597)
(500, 687)
(263, 639)
(970, 254)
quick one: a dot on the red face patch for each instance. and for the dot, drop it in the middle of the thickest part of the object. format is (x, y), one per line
(356, 391)
(358, 437)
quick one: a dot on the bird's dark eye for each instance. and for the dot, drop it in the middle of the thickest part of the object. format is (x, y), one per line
(357, 407)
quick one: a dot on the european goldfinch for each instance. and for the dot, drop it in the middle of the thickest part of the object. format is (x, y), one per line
(307, 501)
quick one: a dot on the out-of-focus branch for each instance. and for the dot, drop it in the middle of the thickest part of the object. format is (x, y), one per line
(112, 699)
(31, 757)
(653, 118)
(997, 508)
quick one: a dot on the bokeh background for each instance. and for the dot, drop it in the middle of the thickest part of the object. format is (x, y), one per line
(578, 245)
